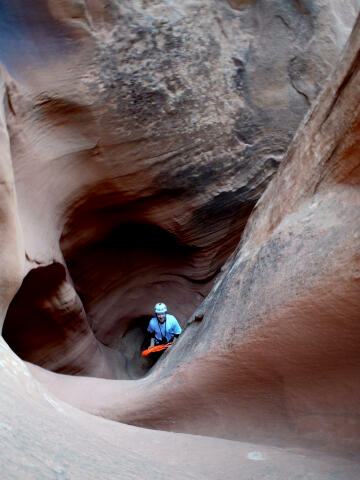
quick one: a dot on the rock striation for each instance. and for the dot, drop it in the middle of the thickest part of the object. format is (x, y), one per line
(142, 134)
(132, 157)
(272, 354)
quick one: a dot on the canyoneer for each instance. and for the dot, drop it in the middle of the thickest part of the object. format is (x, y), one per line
(163, 328)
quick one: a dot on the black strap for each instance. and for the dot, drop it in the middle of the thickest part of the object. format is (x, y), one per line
(163, 339)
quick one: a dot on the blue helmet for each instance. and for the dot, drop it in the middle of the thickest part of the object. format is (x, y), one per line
(160, 308)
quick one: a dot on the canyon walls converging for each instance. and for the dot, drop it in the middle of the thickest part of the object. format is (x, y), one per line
(137, 138)
(272, 353)
(142, 134)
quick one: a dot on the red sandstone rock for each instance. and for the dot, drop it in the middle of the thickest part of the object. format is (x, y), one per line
(272, 354)
(142, 134)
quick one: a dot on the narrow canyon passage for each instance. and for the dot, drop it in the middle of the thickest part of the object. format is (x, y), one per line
(89, 315)
(200, 153)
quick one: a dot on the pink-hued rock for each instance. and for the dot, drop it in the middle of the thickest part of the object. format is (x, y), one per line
(11, 239)
(132, 156)
(43, 438)
(272, 354)
(142, 134)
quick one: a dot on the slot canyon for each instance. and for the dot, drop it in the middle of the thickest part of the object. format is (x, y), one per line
(205, 154)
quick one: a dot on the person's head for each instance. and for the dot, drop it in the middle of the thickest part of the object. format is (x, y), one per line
(160, 312)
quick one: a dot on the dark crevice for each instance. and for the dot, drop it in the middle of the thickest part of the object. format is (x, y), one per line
(281, 18)
(119, 264)
(29, 325)
(120, 274)
(141, 323)
(337, 95)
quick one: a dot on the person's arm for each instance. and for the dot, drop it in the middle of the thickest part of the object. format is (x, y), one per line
(175, 330)
(175, 338)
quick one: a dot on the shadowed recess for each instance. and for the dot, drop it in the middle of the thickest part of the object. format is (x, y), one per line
(116, 278)
(122, 276)
(32, 323)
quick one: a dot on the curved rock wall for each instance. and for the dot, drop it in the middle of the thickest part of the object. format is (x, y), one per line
(272, 354)
(42, 437)
(11, 238)
(142, 134)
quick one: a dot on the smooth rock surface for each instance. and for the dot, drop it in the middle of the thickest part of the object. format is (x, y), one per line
(42, 438)
(272, 354)
(142, 134)
(269, 361)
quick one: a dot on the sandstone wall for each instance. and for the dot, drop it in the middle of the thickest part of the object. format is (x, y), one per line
(272, 354)
(142, 134)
